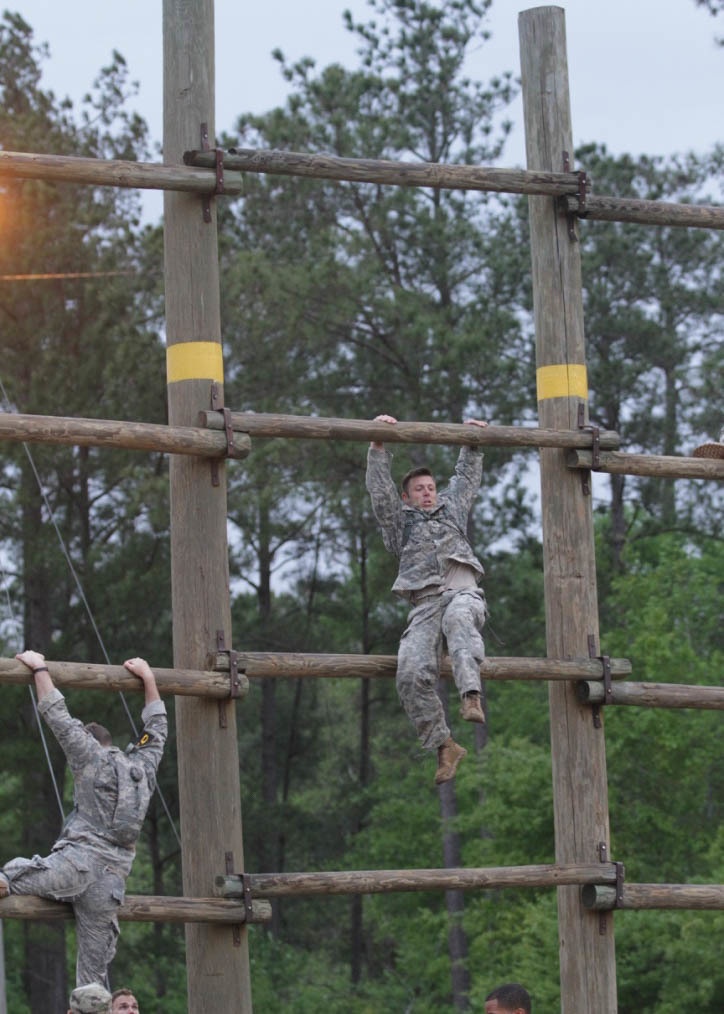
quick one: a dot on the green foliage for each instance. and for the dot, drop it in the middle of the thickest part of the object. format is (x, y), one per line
(654, 306)
(347, 300)
(664, 776)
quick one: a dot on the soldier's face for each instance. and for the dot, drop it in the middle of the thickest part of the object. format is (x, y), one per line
(421, 492)
(125, 1005)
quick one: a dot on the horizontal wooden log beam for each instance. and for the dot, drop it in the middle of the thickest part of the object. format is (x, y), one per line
(258, 664)
(87, 676)
(286, 885)
(654, 695)
(214, 683)
(114, 173)
(659, 466)
(385, 171)
(144, 908)
(627, 209)
(564, 185)
(694, 897)
(192, 440)
(363, 430)
(198, 175)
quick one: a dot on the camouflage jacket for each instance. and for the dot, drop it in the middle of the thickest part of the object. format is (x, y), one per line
(426, 542)
(112, 789)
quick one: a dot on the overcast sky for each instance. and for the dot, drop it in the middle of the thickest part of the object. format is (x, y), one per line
(645, 75)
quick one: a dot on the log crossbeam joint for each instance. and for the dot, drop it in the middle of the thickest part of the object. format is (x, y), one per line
(237, 886)
(607, 678)
(616, 900)
(233, 657)
(232, 451)
(246, 894)
(236, 930)
(595, 432)
(581, 210)
(220, 187)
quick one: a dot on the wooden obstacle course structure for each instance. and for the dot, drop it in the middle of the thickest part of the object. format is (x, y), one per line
(571, 188)
(207, 678)
(147, 908)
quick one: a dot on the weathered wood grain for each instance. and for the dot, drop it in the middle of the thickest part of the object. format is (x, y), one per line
(114, 678)
(696, 897)
(284, 885)
(587, 955)
(144, 908)
(217, 959)
(659, 466)
(297, 665)
(311, 428)
(193, 440)
(655, 695)
(114, 173)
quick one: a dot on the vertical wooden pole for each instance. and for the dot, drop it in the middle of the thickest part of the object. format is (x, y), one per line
(587, 951)
(208, 761)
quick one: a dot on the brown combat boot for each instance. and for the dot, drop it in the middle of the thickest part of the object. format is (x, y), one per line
(449, 756)
(472, 710)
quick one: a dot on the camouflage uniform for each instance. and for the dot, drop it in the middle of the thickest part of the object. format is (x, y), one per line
(438, 575)
(92, 858)
(90, 999)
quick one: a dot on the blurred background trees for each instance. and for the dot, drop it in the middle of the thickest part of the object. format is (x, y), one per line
(350, 300)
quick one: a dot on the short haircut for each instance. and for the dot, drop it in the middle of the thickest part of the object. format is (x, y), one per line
(100, 733)
(513, 995)
(412, 474)
(123, 991)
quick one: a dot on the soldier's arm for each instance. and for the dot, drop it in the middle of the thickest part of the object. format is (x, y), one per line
(77, 744)
(377, 445)
(36, 663)
(155, 723)
(140, 667)
(468, 476)
(386, 502)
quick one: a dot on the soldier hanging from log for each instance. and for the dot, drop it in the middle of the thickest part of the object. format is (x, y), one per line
(438, 575)
(90, 862)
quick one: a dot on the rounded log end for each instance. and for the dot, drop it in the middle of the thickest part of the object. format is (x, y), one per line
(598, 897)
(261, 911)
(582, 691)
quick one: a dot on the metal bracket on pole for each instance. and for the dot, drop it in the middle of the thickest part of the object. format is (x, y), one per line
(582, 193)
(605, 661)
(219, 156)
(595, 432)
(620, 872)
(607, 682)
(233, 656)
(216, 404)
(234, 682)
(229, 431)
(620, 875)
(235, 929)
(581, 196)
(247, 896)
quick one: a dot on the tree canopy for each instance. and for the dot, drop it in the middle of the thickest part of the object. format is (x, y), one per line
(350, 300)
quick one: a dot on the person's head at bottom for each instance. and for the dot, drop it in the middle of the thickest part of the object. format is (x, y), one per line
(510, 998)
(124, 1002)
(90, 999)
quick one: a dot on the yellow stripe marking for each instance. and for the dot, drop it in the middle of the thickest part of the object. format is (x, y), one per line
(566, 380)
(194, 361)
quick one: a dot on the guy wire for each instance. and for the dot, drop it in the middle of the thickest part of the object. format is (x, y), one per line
(41, 729)
(86, 604)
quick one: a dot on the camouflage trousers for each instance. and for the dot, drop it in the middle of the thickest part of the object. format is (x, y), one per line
(458, 617)
(74, 874)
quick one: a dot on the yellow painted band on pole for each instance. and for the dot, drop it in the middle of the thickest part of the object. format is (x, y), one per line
(566, 380)
(194, 361)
